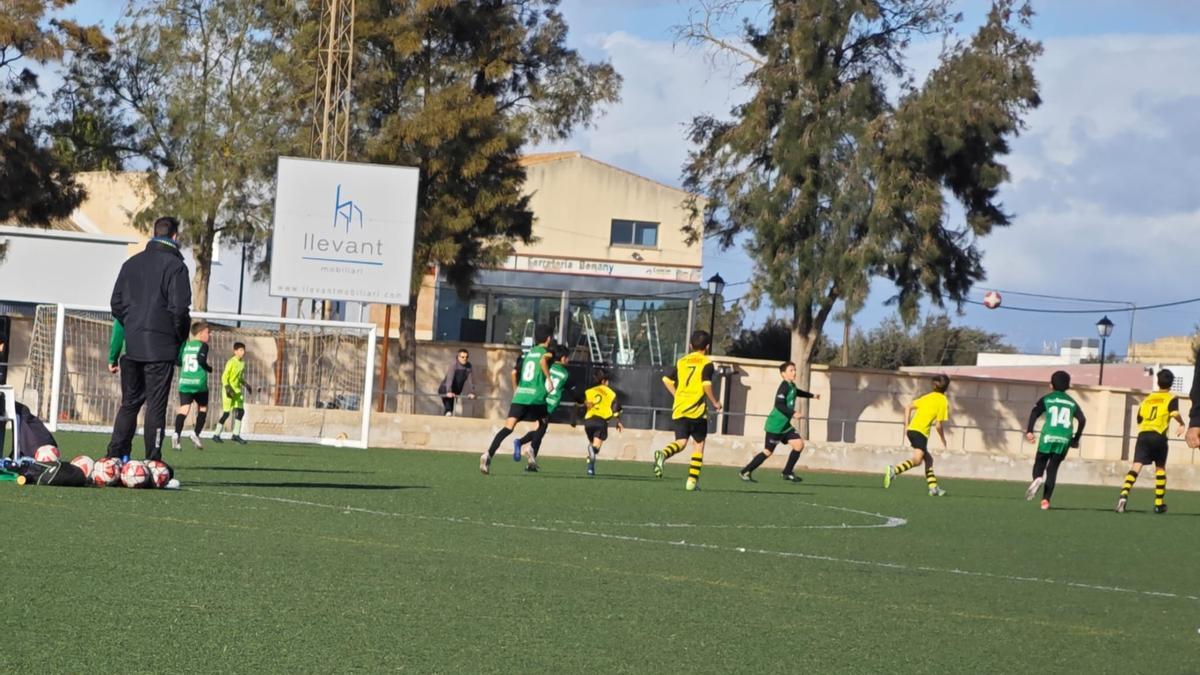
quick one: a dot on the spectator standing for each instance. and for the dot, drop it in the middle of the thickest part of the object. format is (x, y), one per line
(1193, 432)
(458, 380)
(150, 300)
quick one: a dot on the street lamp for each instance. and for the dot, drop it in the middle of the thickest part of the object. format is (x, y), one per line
(716, 286)
(1104, 328)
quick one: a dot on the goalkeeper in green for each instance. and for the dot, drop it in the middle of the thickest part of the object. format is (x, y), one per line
(1059, 433)
(193, 384)
(233, 382)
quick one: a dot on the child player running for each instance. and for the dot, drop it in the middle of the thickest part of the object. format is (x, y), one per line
(1154, 420)
(193, 384)
(927, 412)
(690, 384)
(602, 406)
(779, 426)
(1059, 433)
(560, 378)
(531, 379)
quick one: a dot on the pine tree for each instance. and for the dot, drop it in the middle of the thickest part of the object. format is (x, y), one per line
(831, 183)
(457, 88)
(35, 183)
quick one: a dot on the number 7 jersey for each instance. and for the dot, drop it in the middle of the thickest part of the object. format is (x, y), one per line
(690, 375)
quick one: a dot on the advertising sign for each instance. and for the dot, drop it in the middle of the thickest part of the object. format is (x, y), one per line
(343, 231)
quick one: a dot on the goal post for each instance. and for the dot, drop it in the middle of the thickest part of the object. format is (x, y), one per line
(308, 380)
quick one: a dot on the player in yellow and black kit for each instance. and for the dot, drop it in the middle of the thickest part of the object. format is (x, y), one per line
(602, 406)
(1154, 420)
(690, 382)
(924, 414)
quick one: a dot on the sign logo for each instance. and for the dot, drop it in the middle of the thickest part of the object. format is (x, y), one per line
(344, 250)
(345, 211)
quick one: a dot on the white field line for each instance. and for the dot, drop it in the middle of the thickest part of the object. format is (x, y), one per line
(713, 547)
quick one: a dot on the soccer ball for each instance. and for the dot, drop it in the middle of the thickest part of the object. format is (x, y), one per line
(135, 475)
(991, 300)
(46, 454)
(160, 474)
(84, 464)
(106, 471)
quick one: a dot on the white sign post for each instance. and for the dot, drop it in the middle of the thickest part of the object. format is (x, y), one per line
(344, 231)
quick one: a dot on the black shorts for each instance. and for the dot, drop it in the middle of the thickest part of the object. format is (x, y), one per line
(693, 428)
(781, 437)
(918, 440)
(1151, 448)
(187, 397)
(533, 412)
(596, 428)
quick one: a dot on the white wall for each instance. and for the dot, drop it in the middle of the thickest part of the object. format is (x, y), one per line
(46, 266)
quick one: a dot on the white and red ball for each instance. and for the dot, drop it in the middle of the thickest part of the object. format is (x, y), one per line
(106, 471)
(47, 454)
(992, 299)
(85, 464)
(160, 474)
(135, 475)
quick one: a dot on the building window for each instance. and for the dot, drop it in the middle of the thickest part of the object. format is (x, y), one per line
(634, 233)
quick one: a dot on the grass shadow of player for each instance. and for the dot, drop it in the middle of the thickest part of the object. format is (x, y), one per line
(599, 476)
(320, 486)
(268, 469)
(789, 493)
(1147, 511)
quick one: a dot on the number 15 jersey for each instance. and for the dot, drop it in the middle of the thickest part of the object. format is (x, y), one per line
(690, 375)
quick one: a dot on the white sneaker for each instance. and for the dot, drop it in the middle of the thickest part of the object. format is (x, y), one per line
(195, 439)
(172, 484)
(937, 492)
(175, 442)
(1031, 491)
(485, 463)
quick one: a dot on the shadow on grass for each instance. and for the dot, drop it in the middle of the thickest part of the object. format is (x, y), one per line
(790, 493)
(599, 476)
(266, 469)
(321, 486)
(1128, 510)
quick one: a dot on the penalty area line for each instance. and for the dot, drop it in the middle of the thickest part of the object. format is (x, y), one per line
(711, 547)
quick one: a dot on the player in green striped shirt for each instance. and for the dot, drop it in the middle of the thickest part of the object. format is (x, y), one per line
(779, 426)
(193, 384)
(531, 384)
(1059, 412)
(560, 377)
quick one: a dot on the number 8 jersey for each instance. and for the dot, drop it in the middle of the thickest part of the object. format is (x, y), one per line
(531, 381)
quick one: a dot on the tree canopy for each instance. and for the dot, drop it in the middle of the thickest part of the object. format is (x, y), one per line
(831, 182)
(35, 183)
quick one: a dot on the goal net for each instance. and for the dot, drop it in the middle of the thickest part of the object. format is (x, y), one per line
(307, 381)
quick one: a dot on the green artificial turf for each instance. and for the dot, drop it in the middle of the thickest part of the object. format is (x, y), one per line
(294, 558)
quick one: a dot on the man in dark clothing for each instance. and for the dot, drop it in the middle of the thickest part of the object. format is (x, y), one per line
(150, 299)
(457, 380)
(1193, 432)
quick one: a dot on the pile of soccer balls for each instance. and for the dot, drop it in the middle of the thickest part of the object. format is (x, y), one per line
(110, 471)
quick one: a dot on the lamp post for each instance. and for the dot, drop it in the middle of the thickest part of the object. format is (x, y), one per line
(1104, 327)
(716, 286)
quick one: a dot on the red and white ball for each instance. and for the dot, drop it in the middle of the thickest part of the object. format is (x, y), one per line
(992, 299)
(106, 471)
(47, 454)
(135, 475)
(85, 464)
(160, 474)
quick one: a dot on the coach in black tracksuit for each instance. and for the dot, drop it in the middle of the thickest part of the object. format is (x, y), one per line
(150, 299)
(1193, 433)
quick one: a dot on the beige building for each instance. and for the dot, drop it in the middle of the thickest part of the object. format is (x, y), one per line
(609, 269)
(1170, 349)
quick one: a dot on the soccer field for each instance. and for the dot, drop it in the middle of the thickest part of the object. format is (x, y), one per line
(294, 558)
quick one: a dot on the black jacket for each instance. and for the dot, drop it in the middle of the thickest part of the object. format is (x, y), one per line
(151, 299)
(1195, 395)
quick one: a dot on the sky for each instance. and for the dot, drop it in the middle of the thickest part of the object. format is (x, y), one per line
(1104, 178)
